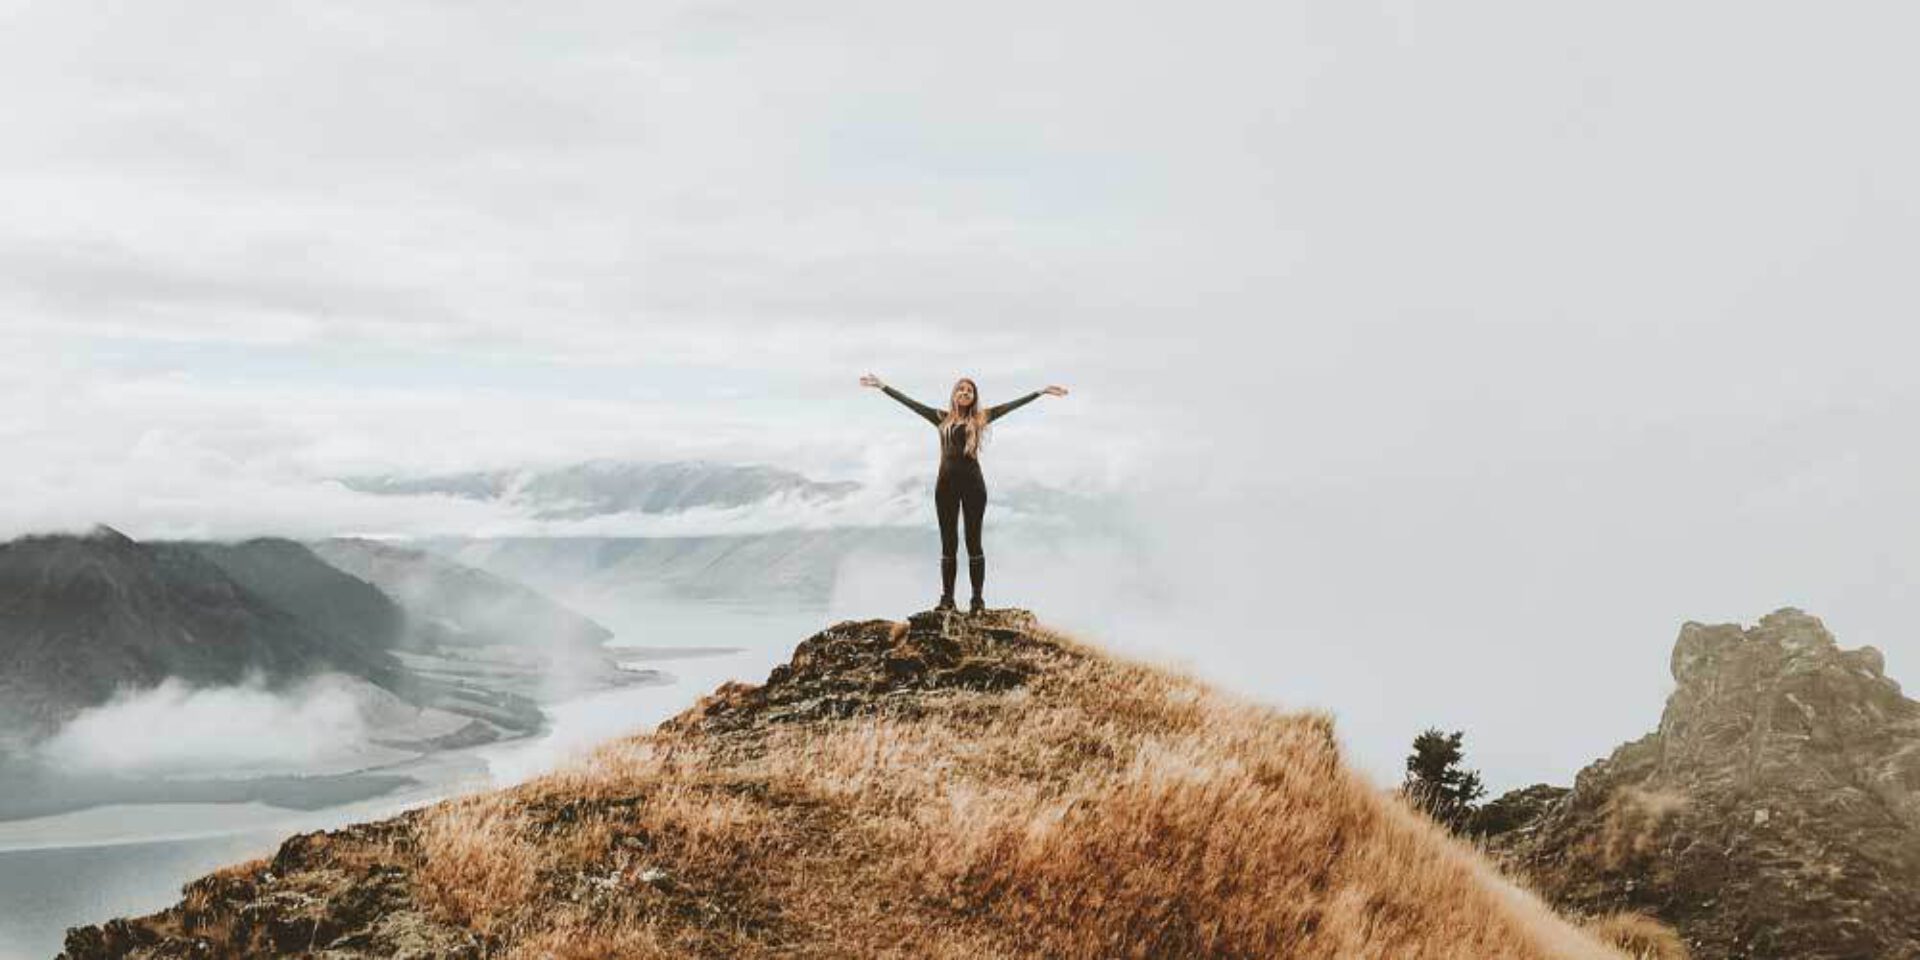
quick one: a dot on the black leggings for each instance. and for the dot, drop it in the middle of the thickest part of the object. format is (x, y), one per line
(961, 490)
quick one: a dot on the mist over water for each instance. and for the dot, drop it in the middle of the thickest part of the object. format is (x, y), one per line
(244, 730)
(705, 646)
(92, 865)
(42, 892)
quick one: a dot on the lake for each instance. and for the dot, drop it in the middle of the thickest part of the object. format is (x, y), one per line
(91, 865)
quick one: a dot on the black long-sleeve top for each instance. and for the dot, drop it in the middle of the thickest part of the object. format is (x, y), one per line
(953, 444)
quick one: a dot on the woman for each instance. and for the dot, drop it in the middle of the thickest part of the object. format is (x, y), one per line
(960, 488)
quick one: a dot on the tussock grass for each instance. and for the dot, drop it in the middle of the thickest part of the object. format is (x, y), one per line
(211, 918)
(480, 865)
(1631, 830)
(1104, 809)
(1639, 936)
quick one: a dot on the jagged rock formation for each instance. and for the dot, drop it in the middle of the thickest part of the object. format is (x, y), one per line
(1774, 813)
(949, 786)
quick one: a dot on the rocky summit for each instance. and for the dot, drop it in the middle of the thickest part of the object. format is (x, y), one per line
(948, 786)
(1774, 813)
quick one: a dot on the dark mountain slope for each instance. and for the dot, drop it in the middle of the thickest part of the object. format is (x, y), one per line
(361, 623)
(451, 603)
(83, 616)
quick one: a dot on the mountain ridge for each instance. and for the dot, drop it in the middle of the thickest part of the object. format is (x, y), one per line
(453, 603)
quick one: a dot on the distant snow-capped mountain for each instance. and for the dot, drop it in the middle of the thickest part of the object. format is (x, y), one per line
(603, 487)
(572, 500)
(788, 566)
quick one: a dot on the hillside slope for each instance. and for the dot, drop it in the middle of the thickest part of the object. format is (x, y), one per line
(950, 786)
(354, 615)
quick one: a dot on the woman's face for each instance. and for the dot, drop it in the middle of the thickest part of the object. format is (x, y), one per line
(963, 394)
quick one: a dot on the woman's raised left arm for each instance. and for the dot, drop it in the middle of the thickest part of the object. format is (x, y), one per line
(1001, 410)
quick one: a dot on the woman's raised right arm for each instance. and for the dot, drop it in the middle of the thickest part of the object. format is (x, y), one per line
(926, 413)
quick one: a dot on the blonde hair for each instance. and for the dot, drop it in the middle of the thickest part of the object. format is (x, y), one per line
(975, 417)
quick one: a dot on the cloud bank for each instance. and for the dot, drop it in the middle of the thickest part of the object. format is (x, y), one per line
(178, 730)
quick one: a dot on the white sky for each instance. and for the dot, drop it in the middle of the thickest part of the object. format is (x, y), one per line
(1456, 353)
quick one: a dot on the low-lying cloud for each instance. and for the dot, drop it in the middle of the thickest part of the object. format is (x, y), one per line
(176, 729)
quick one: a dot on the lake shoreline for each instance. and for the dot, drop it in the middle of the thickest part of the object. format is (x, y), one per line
(82, 866)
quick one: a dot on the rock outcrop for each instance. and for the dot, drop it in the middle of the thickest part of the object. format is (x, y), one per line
(865, 666)
(1774, 813)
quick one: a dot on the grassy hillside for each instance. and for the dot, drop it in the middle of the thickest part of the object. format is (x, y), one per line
(944, 787)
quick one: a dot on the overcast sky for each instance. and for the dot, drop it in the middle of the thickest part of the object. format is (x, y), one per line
(1453, 354)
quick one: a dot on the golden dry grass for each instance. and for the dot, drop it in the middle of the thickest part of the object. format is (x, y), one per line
(213, 920)
(1634, 816)
(479, 864)
(1105, 809)
(1639, 936)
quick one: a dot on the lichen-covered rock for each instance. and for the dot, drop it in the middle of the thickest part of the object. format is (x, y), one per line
(1515, 810)
(860, 666)
(342, 895)
(1775, 812)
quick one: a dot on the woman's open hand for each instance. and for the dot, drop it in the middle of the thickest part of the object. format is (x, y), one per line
(1055, 391)
(869, 380)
